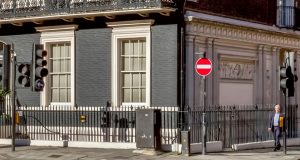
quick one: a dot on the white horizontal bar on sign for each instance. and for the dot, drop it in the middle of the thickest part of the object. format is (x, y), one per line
(203, 66)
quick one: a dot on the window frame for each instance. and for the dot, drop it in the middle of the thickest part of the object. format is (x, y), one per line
(53, 35)
(131, 71)
(48, 45)
(129, 30)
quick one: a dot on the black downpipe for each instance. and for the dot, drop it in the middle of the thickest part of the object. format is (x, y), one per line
(183, 117)
(181, 53)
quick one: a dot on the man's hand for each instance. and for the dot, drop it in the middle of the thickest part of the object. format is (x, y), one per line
(269, 129)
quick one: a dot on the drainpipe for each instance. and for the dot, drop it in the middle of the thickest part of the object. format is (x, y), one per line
(183, 137)
(181, 33)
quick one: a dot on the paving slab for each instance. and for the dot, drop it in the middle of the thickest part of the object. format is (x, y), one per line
(60, 153)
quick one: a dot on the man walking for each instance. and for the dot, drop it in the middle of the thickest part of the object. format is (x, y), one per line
(276, 126)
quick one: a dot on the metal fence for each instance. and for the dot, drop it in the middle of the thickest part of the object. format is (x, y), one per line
(85, 123)
(237, 124)
(229, 124)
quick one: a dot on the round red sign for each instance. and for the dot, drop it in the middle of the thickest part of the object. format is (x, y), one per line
(203, 66)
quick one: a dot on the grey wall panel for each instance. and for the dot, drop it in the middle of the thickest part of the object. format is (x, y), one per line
(23, 50)
(93, 66)
(164, 65)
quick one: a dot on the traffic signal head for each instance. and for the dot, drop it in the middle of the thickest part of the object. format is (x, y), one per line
(38, 67)
(5, 69)
(287, 80)
(24, 77)
(1, 71)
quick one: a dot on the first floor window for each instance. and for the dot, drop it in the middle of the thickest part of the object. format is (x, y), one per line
(131, 62)
(59, 41)
(133, 70)
(60, 72)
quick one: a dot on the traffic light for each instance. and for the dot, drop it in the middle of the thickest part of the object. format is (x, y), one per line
(38, 67)
(5, 69)
(24, 77)
(287, 80)
(1, 71)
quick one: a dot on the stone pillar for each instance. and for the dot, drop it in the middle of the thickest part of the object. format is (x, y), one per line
(275, 73)
(267, 75)
(189, 70)
(199, 83)
(259, 76)
(209, 81)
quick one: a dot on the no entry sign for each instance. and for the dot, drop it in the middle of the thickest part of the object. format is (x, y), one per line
(203, 66)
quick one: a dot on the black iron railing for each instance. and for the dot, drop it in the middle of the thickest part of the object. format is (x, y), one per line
(237, 124)
(25, 8)
(229, 124)
(85, 123)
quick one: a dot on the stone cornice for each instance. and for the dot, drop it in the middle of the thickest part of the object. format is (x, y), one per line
(240, 33)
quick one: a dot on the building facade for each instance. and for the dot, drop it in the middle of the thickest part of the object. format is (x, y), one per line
(99, 52)
(247, 42)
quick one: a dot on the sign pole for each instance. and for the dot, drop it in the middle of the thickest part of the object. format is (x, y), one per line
(204, 121)
(284, 120)
(203, 67)
(13, 78)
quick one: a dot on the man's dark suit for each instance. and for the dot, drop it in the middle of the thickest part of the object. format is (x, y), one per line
(276, 130)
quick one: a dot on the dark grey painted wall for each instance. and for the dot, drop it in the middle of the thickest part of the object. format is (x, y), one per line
(93, 66)
(23, 50)
(164, 65)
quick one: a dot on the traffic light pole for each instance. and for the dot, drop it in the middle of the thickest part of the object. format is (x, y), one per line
(284, 120)
(13, 78)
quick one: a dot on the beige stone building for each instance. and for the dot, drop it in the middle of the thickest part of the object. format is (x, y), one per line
(246, 57)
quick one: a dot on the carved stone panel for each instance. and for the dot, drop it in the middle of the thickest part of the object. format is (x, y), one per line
(236, 69)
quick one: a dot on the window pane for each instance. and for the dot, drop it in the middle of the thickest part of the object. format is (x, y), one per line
(126, 80)
(143, 64)
(55, 95)
(131, 48)
(68, 50)
(68, 65)
(143, 95)
(135, 80)
(63, 95)
(56, 66)
(54, 51)
(69, 80)
(126, 95)
(126, 64)
(136, 65)
(69, 95)
(143, 47)
(62, 50)
(135, 47)
(55, 81)
(143, 80)
(63, 80)
(125, 48)
(63, 66)
(135, 95)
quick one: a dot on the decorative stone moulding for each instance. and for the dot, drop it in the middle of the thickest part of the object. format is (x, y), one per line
(253, 35)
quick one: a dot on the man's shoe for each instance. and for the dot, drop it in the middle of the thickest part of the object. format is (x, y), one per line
(275, 149)
(278, 148)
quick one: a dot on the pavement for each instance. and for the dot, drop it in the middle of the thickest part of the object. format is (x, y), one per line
(59, 153)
